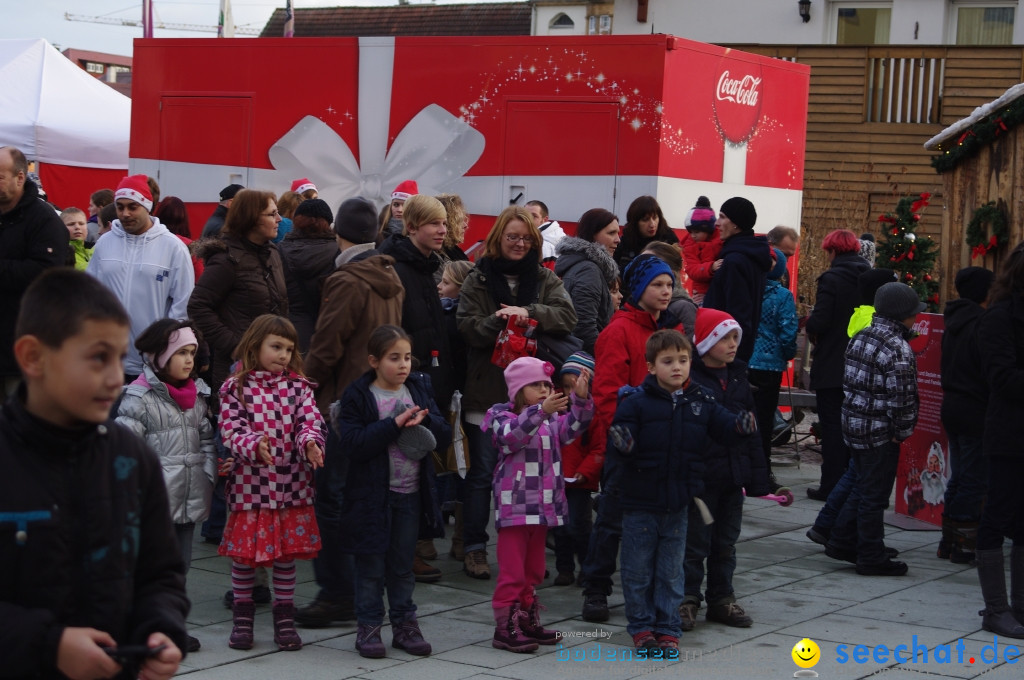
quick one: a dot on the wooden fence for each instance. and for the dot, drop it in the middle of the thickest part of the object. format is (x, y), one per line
(871, 110)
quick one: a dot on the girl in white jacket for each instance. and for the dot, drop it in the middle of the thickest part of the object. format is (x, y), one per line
(167, 406)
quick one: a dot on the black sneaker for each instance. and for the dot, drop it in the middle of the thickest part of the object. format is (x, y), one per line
(773, 484)
(887, 568)
(595, 607)
(819, 535)
(841, 554)
(816, 494)
(321, 613)
(260, 595)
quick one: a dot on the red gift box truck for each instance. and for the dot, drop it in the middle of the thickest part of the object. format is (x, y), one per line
(577, 122)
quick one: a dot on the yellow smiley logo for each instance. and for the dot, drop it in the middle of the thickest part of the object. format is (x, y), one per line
(806, 653)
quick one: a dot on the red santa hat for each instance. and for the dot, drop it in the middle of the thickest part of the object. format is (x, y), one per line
(712, 325)
(135, 188)
(301, 185)
(404, 190)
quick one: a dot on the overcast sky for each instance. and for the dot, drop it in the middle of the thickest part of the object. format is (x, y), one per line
(45, 18)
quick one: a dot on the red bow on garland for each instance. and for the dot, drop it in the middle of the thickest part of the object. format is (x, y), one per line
(920, 203)
(981, 250)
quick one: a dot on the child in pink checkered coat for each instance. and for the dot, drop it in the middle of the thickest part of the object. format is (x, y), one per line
(529, 490)
(270, 423)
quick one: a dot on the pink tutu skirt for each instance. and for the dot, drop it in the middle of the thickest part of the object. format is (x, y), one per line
(258, 537)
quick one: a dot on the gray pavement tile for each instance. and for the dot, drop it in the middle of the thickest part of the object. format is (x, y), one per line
(861, 588)
(423, 668)
(310, 663)
(842, 628)
(770, 577)
(927, 604)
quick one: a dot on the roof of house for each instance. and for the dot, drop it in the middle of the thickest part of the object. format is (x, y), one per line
(497, 18)
(79, 56)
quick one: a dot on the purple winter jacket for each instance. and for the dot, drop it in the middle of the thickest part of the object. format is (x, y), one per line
(528, 485)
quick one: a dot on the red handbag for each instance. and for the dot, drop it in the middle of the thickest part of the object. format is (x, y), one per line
(514, 342)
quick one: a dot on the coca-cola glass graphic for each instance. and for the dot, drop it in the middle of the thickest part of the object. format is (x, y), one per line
(737, 106)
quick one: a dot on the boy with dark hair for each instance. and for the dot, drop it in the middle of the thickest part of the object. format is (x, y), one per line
(90, 560)
(879, 412)
(659, 432)
(729, 469)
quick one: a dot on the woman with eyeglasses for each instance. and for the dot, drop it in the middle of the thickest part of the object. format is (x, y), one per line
(243, 277)
(508, 282)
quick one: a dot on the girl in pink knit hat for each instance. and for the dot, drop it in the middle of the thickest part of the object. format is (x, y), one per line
(529, 490)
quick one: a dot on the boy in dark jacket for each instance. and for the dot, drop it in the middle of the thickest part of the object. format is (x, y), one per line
(879, 411)
(729, 469)
(658, 434)
(964, 398)
(88, 559)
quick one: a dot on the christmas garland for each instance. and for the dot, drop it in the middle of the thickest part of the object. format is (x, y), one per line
(979, 135)
(987, 217)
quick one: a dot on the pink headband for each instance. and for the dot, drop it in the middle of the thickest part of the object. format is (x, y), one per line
(183, 337)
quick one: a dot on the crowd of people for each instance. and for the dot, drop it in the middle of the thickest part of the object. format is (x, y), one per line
(301, 372)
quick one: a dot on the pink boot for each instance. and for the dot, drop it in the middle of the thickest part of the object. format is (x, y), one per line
(508, 634)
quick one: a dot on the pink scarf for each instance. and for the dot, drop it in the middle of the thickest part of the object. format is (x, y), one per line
(184, 396)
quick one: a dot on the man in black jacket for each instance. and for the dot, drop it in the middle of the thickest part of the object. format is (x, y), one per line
(213, 225)
(964, 399)
(739, 275)
(32, 238)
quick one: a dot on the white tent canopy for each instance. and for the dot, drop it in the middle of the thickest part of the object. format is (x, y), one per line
(57, 113)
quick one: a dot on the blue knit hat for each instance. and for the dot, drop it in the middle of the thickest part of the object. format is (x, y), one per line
(639, 274)
(780, 265)
(575, 362)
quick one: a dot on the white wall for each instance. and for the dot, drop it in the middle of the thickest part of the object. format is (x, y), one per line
(779, 22)
(543, 15)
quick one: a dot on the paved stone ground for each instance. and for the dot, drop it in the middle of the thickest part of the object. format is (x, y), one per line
(785, 582)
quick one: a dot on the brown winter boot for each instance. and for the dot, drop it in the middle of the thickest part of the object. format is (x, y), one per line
(241, 633)
(425, 549)
(945, 548)
(530, 625)
(457, 551)
(508, 634)
(285, 635)
(965, 537)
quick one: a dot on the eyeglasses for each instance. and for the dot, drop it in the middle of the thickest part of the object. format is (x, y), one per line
(513, 239)
(276, 213)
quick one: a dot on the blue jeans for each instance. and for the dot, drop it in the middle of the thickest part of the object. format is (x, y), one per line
(392, 569)
(333, 569)
(829, 512)
(573, 540)
(968, 481)
(860, 524)
(476, 508)
(715, 543)
(603, 551)
(653, 546)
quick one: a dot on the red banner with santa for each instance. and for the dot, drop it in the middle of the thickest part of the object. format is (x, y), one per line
(923, 471)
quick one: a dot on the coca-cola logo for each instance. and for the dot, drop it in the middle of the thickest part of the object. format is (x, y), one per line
(738, 90)
(737, 99)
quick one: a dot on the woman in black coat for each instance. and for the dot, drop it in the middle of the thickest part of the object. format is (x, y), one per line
(834, 302)
(587, 270)
(1001, 341)
(307, 253)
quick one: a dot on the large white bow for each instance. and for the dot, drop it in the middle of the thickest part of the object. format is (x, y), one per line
(434, 148)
